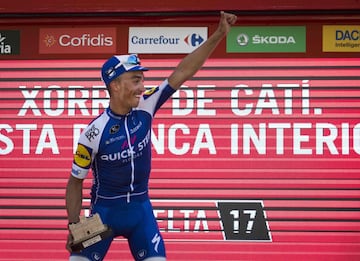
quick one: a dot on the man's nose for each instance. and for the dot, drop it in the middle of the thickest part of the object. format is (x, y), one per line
(142, 87)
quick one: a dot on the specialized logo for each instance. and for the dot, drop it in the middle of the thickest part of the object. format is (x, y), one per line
(262, 39)
(77, 40)
(156, 241)
(82, 156)
(9, 42)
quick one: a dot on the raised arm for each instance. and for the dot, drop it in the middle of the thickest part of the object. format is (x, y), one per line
(194, 61)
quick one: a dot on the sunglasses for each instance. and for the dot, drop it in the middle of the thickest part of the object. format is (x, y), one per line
(131, 59)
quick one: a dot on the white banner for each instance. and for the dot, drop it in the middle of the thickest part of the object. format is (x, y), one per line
(166, 39)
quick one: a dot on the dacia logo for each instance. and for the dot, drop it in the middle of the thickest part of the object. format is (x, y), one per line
(194, 39)
(353, 35)
(9, 42)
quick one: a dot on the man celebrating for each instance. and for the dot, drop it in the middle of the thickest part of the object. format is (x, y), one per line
(117, 147)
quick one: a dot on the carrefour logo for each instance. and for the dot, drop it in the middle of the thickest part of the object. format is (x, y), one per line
(194, 39)
(158, 40)
(165, 39)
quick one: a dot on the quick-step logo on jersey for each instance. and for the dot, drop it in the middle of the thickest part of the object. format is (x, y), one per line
(127, 152)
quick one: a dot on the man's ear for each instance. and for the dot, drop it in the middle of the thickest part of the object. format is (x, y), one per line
(113, 85)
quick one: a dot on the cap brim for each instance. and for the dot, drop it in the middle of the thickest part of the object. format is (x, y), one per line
(138, 68)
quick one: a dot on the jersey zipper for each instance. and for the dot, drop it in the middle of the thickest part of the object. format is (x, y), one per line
(132, 159)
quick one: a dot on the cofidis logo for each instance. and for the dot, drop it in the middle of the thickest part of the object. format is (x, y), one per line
(77, 40)
(165, 39)
(341, 38)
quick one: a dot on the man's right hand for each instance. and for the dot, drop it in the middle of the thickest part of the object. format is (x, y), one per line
(69, 241)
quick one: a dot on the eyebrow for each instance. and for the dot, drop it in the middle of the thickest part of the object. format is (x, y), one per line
(137, 76)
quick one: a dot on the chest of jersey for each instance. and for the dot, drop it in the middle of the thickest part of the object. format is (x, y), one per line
(126, 139)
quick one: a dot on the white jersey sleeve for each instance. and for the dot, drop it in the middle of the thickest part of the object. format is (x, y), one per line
(87, 147)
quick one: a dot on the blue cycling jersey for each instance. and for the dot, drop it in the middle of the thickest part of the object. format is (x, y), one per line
(118, 148)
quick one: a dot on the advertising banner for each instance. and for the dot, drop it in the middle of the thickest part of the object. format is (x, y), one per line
(266, 39)
(165, 39)
(9, 42)
(341, 38)
(77, 40)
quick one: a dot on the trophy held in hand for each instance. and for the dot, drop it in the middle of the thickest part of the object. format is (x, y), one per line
(88, 232)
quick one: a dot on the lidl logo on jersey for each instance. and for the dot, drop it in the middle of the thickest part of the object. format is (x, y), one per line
(266, 39)
(166, 39)
(341, 38)
(9, 42)
(82, 157)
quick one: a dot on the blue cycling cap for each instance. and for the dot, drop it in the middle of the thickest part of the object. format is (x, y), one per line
(118, 64)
